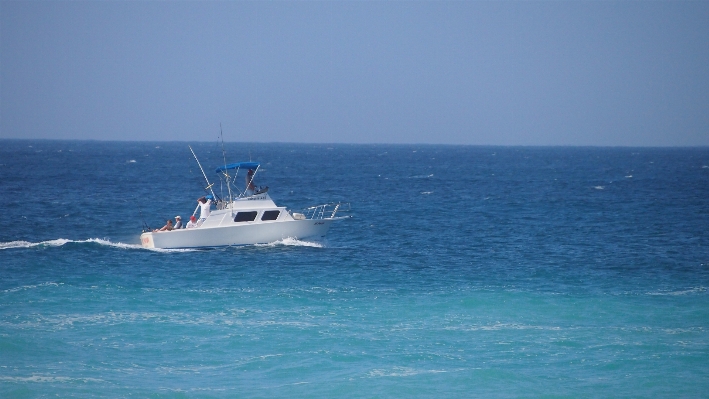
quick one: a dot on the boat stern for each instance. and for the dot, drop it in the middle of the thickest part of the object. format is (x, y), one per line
(146, 239)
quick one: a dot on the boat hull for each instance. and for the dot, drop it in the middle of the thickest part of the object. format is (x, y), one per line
(242, 234)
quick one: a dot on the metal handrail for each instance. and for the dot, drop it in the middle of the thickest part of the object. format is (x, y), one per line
(325, 211)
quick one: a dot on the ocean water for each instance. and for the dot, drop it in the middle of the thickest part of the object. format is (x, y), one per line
(491, 272)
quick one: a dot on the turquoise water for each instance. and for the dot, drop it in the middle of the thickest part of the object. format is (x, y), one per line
(464, 272)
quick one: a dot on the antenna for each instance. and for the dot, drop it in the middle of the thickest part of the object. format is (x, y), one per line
(226, 174)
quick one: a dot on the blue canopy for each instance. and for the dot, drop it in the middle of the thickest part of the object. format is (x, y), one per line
(242, 165)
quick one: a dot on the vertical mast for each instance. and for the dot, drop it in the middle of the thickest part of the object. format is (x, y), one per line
(226, 174)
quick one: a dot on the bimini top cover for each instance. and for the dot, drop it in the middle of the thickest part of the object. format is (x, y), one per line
(242, 165)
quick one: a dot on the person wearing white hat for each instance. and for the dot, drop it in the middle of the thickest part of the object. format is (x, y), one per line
(178, 223)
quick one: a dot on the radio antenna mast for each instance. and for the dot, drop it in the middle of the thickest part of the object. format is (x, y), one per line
(226, 174)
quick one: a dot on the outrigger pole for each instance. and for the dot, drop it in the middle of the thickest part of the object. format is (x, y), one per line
(209, 185)
(146, 228)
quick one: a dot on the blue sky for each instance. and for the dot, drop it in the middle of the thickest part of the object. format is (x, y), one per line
(481, 73)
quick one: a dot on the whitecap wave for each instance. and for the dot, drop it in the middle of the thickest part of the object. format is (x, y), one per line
(694, 290)
(405, 372)
(599, 187)
(502, 326)
(58, 322)
(29, 287)
(48, 378)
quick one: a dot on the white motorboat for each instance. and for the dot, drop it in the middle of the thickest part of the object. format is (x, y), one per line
(247, 217)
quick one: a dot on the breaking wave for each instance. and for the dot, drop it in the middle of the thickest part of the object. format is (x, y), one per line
(48, 378)
(407, 372)
(29, 287)
(689, 291)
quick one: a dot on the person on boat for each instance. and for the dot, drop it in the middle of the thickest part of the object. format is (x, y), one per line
(250, 187)
(178, 222)
(192, 223)
(166, 227)
(204, 209)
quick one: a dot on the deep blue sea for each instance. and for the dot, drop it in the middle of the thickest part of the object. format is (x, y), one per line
(465, 272)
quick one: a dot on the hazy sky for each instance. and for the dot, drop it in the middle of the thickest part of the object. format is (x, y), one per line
(499, 73)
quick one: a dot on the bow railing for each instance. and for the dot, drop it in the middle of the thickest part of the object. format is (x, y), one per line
(324, 211)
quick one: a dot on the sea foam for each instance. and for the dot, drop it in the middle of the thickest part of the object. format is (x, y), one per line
(63, 241)
(292, 242)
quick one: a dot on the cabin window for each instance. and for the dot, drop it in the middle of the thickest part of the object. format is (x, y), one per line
(270, 215)
(245, 216)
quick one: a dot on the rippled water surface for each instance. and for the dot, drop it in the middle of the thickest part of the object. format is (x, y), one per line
(488, 272)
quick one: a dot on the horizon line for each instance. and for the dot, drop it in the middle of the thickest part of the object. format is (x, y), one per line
(364, 144)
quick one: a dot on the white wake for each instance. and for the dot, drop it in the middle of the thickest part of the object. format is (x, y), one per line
(291, 242)
(62, 241)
